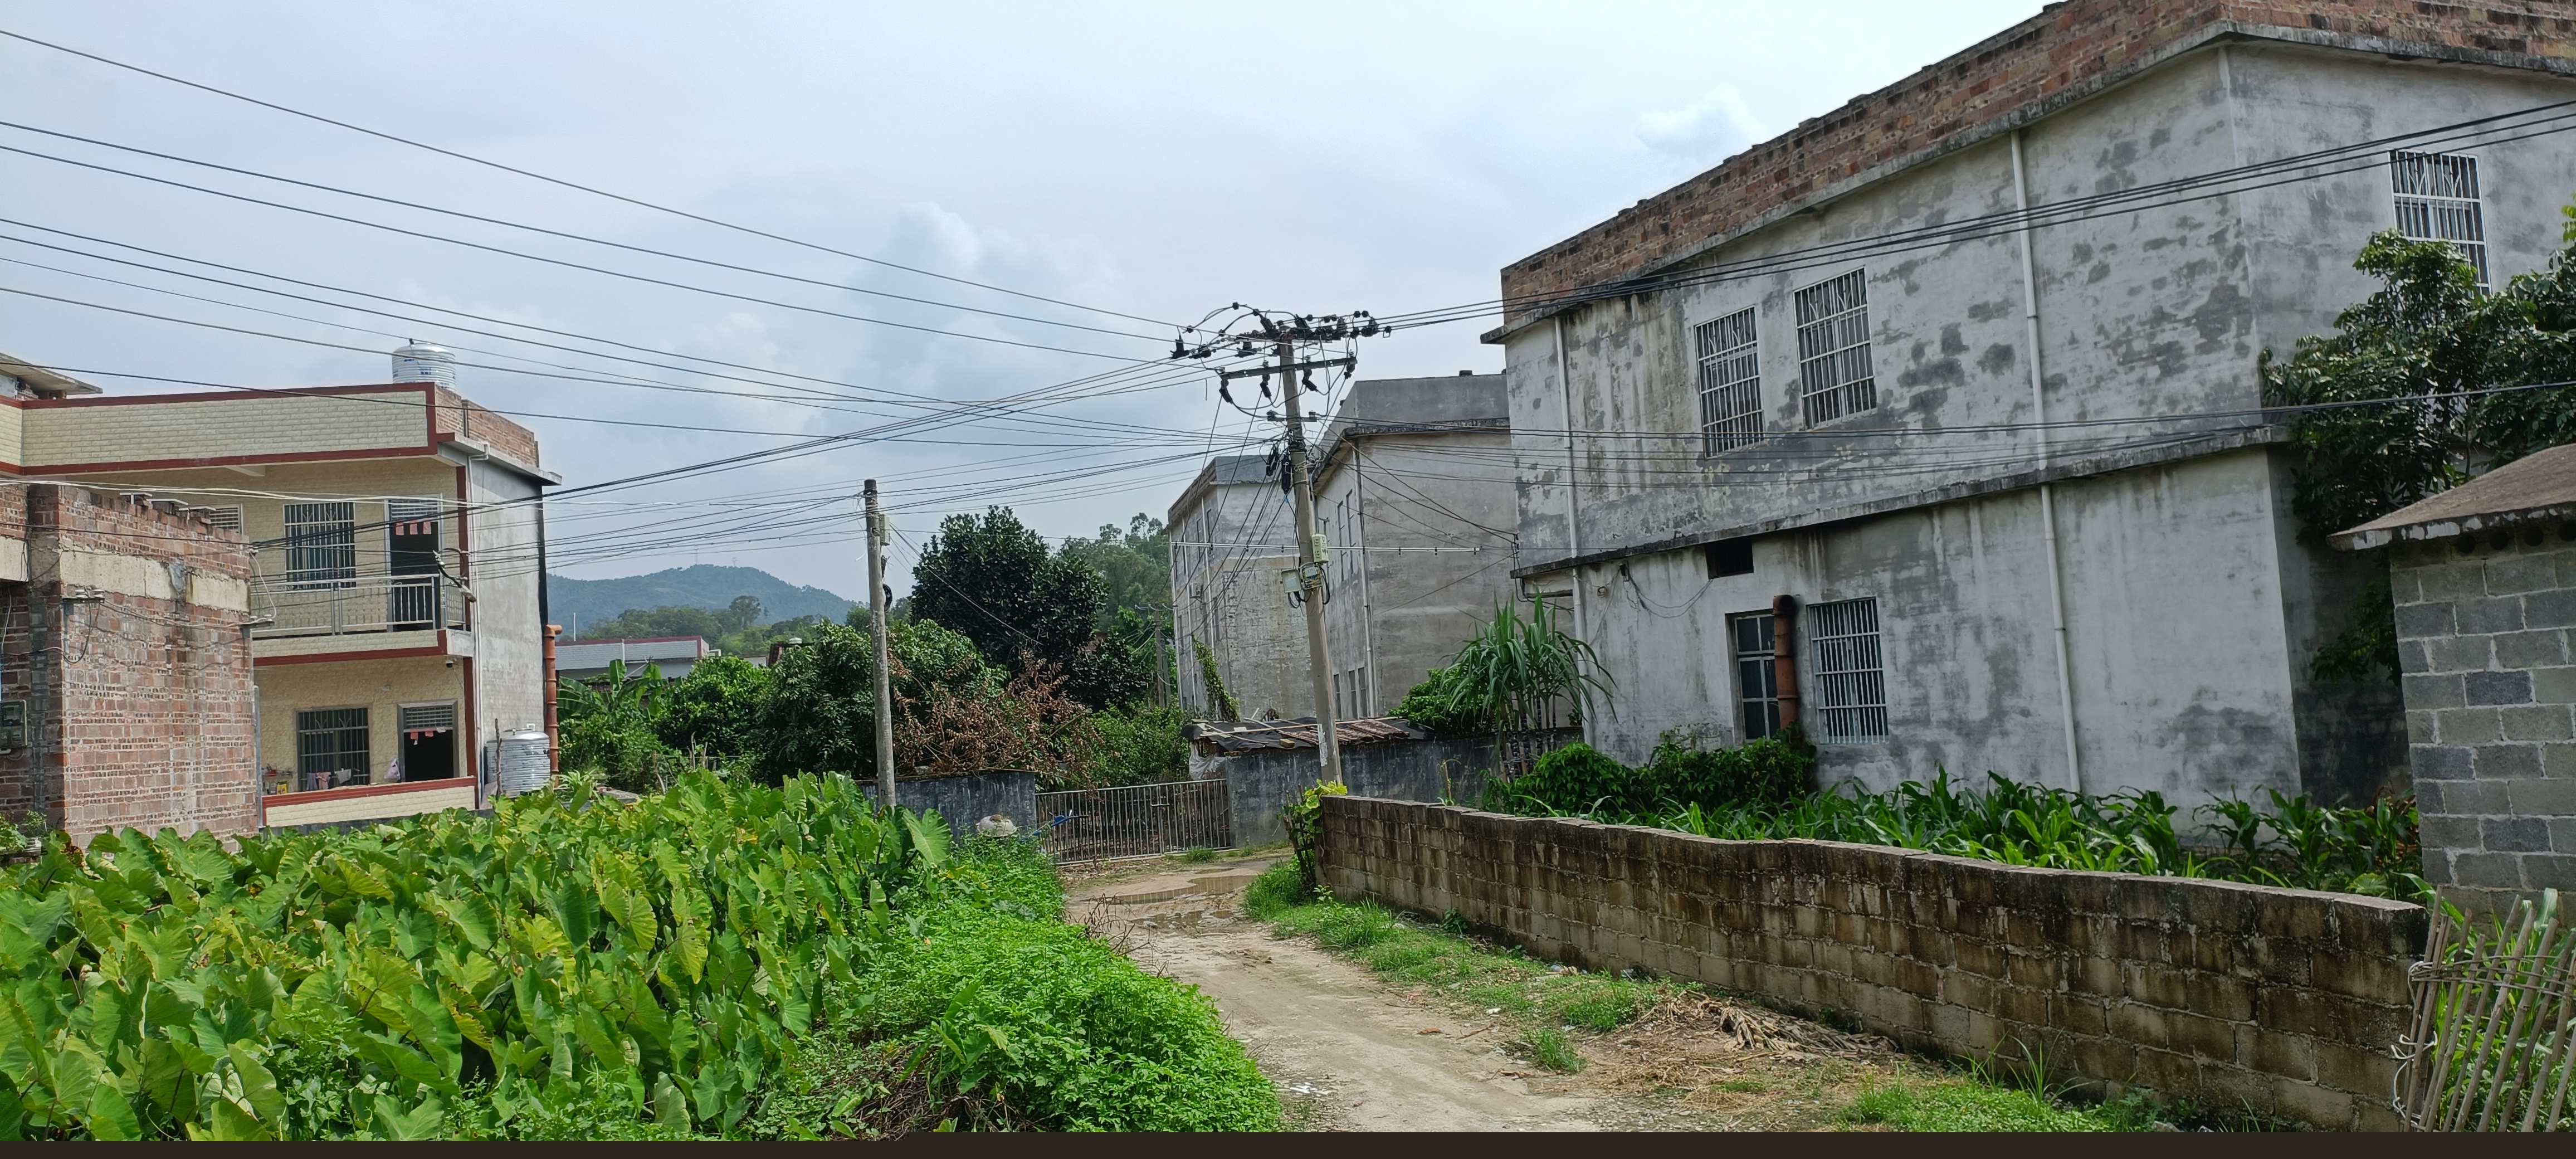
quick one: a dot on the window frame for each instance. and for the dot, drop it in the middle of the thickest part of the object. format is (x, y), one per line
(1742, 423)
(1757, 674)
(2471, 208)
(1834, 337)
(325, 558)
(1847, 665)
(363, 729)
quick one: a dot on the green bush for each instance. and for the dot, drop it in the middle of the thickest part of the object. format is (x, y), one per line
(1433, 705)
(1766, 773)
(1279, 889)
(1140, 744)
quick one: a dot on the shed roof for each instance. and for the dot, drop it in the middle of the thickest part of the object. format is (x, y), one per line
(1226, 739)
(2538, 489)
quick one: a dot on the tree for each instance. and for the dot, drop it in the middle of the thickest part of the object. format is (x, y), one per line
(667, 620)
(2469, 381)
(821, 713)
(607, 724)
(992, 580)
(717, 710)
(1135, 566)
(742, 613)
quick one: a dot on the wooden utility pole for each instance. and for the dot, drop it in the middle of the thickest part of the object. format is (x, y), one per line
(877, 612)
(1310, 567)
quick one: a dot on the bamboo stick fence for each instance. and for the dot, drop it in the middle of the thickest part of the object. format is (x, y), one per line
(2493, 1044)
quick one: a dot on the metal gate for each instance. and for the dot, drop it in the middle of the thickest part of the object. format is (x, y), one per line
(1135, 820)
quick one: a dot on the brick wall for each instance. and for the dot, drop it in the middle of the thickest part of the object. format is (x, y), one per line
(2282, 1001)
(458, 415)
(2483, 642)
(136, 677)
(2063, 54)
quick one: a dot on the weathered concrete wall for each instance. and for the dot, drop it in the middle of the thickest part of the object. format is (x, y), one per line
(2483, 640)
(1232, 532)
(965, 800)
(1261, 784)
(2144, 316)
(1415, 497)
(508, 666)
(2284, 1002)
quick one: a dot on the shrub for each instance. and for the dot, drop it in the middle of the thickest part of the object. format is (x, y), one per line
(1434, 705)
(1140, 744)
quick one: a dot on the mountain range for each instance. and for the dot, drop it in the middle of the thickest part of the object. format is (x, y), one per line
(575, 602)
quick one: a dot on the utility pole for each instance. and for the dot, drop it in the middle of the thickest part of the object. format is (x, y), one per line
(1306, 583)
(877, 611)
(1310, 567)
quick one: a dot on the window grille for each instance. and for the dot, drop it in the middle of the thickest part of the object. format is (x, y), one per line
(225, 517)
(1851, 676)
(1730, 383)
(321, 544)
(331, 747)
(2437, 200)
(1757, 685)
(1834, 370)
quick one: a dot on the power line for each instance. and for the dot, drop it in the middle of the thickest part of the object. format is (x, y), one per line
(596, 192)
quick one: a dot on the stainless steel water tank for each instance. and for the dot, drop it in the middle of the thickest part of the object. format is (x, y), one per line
(523, 762)
(422, 362)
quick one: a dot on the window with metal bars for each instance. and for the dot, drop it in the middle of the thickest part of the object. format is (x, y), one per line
(225, 517)
(1730, 383)
(1834, 372)
(1757, 675)
(2437, 200)
(321, 544)
(331, 746)
(1850, 690)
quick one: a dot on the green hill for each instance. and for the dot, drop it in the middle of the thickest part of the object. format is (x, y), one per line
(577, 602)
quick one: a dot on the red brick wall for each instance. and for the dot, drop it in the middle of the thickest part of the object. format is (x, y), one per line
(2065, 50)
(140, 709)
(458, 415)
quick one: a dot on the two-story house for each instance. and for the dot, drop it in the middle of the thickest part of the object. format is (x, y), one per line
(395, 597)
(1966, 370)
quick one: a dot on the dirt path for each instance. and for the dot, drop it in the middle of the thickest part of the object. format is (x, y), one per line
(1350, 1053)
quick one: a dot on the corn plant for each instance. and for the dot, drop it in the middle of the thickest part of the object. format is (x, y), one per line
(1515, 669)
(447, 975)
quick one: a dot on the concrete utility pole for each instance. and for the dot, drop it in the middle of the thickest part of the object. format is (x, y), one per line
(877, 611)
(1310, 567)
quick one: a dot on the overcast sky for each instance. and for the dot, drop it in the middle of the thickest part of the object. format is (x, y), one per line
(1154, 161)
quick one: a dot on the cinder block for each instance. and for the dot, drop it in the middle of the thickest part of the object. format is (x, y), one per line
(2545, 648)
(2546, 797)
(2495, 762)
(2536, 722)
(2438, 690)
(2498, 688)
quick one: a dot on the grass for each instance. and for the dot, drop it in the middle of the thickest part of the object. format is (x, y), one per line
(1555, 1007)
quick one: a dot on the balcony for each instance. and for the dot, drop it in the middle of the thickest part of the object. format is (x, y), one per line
(410, 613)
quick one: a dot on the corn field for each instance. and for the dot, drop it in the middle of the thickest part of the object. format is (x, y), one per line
(2493, 1045)
(441, 977)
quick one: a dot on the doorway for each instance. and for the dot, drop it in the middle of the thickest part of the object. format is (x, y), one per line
(428, 741)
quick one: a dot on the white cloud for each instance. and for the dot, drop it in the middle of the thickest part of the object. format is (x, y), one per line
(1704, 132)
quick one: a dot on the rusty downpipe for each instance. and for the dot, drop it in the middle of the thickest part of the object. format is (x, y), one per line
(554, 740)
(1784, 655)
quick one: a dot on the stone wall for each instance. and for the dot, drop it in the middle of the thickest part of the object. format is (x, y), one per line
(2483, 642)
(2065, 53)
(966, 798)
(2284, 1002)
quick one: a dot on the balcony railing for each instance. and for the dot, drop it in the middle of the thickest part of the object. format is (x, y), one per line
(406, 603)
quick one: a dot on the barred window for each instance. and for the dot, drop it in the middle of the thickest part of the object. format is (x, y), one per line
(331, 746)
(321, 544)
(1834, 370)
(225, 517)
(1757, 687)
(2437, 200)
(1851, 676)
(1730, 383)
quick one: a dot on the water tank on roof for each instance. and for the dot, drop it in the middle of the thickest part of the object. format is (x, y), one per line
(523, 762)
(422, 362)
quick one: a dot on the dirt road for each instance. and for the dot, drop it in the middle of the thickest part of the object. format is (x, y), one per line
(1350, 1053)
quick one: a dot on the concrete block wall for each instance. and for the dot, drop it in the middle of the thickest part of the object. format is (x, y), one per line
(2286, 1002)
(1261, 783)
(2483, 639)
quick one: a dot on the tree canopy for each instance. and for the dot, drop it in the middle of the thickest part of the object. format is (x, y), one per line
(992, 580)
(2463, 381)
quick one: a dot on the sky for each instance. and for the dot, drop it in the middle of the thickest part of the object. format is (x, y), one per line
(1141, 165)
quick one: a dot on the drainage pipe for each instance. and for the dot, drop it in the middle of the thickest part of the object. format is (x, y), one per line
(1573, 511)
(2047, 500)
